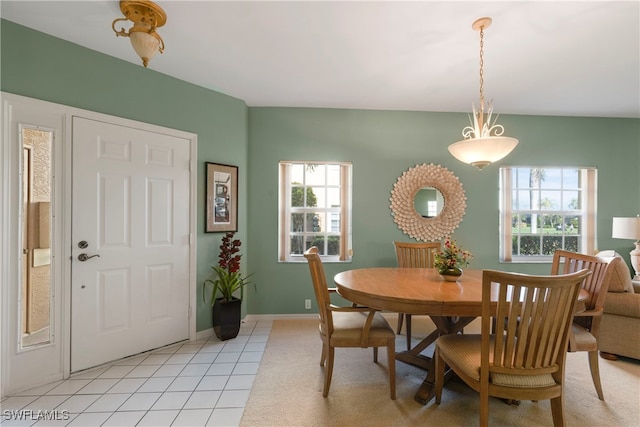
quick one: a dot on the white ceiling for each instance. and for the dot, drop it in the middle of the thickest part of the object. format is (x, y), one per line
(576, 58)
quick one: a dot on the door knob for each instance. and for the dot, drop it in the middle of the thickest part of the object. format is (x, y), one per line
(84, 257)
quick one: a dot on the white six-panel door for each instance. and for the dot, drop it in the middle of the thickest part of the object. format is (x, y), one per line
(131, 207)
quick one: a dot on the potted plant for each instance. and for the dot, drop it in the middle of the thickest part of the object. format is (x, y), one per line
(450, 260)
(220, 292)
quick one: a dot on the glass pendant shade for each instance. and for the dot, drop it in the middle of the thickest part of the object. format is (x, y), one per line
(145, 45)
(480, 152)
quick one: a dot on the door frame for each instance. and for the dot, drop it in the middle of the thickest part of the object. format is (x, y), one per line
(10, 221)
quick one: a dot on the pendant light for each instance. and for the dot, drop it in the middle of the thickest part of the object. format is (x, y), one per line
(483, 141)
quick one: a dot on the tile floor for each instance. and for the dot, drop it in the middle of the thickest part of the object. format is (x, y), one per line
(201, 383)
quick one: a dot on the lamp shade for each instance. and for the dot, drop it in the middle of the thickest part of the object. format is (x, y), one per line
(480, 152)
(145, 45)
(626, 228)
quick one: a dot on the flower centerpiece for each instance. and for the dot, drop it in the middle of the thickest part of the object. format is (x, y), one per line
(450, 260)
(226, 307)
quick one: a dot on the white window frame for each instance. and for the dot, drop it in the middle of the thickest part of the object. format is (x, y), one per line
(285, 211)
(588, 212)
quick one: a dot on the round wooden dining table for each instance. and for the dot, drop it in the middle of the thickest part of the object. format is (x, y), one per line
(451, 305)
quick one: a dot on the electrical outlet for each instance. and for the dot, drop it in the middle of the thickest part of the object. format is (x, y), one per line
(307, 304)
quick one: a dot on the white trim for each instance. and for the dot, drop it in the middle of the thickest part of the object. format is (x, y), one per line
(587, 190)
(24, 367)
(285, 210)
(506, 201)
(590, 209)
(5, 228)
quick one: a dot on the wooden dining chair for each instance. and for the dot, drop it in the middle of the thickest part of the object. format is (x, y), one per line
(414, 255)
(525, 358)
(585, 328)
(354, 326)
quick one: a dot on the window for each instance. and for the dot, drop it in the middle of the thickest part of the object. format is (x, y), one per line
(544, 209)
(315, 210)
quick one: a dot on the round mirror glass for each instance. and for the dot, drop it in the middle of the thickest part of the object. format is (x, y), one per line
(428, 202)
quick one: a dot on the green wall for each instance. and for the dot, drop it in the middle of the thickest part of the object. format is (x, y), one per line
(43, 67)
(383, 144)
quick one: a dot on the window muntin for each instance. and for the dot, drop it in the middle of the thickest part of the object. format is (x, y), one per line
(314, 205)
(544, 209)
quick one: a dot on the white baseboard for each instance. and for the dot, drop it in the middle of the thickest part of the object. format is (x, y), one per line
(202, 335)
(271, 317)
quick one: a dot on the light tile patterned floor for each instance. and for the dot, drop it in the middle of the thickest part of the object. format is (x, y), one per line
(202, 383)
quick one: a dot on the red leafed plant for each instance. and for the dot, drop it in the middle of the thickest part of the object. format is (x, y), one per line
(229, 258)
(229, 279)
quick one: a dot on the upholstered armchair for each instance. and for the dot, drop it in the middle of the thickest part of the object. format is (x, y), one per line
(620, 324)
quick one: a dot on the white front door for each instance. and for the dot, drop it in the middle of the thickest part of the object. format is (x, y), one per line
(130, 241)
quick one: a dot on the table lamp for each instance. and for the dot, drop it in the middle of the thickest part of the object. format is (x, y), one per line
(629, 228)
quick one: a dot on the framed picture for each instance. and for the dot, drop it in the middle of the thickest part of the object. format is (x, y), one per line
(222, 198)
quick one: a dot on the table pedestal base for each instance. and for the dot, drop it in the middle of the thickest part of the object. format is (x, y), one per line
(444, 325)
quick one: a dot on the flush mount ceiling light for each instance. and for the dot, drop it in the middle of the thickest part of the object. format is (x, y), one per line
(146, 17)
(483, 142)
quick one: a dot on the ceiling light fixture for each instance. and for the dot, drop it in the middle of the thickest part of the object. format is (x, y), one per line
(483, 142)
(146, 17)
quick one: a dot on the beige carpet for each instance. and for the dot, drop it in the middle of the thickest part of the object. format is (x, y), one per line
(288, 389)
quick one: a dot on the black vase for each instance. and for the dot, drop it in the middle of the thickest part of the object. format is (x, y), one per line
(226, 318)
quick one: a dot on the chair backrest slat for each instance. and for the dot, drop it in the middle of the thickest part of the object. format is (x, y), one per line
(416, 254)
(533, 316)
(597, 284)
(601, 268)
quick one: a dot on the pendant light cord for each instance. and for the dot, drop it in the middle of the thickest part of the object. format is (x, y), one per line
(482, 70)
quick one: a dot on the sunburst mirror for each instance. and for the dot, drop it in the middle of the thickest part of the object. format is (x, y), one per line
(428, 202)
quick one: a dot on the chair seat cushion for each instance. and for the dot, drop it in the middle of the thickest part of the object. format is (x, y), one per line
(465, 351)
(584, 340)
(348, 326)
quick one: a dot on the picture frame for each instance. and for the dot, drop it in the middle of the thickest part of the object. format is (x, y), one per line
(222, 198)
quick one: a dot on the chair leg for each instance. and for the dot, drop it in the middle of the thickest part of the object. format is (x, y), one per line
(484, 406)
(439, 371)
(391, 359)
(329, 371)
(400, 319)
(408, 328)
(557, 411)
(375, 354)
(595, 373)
(323, 357)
